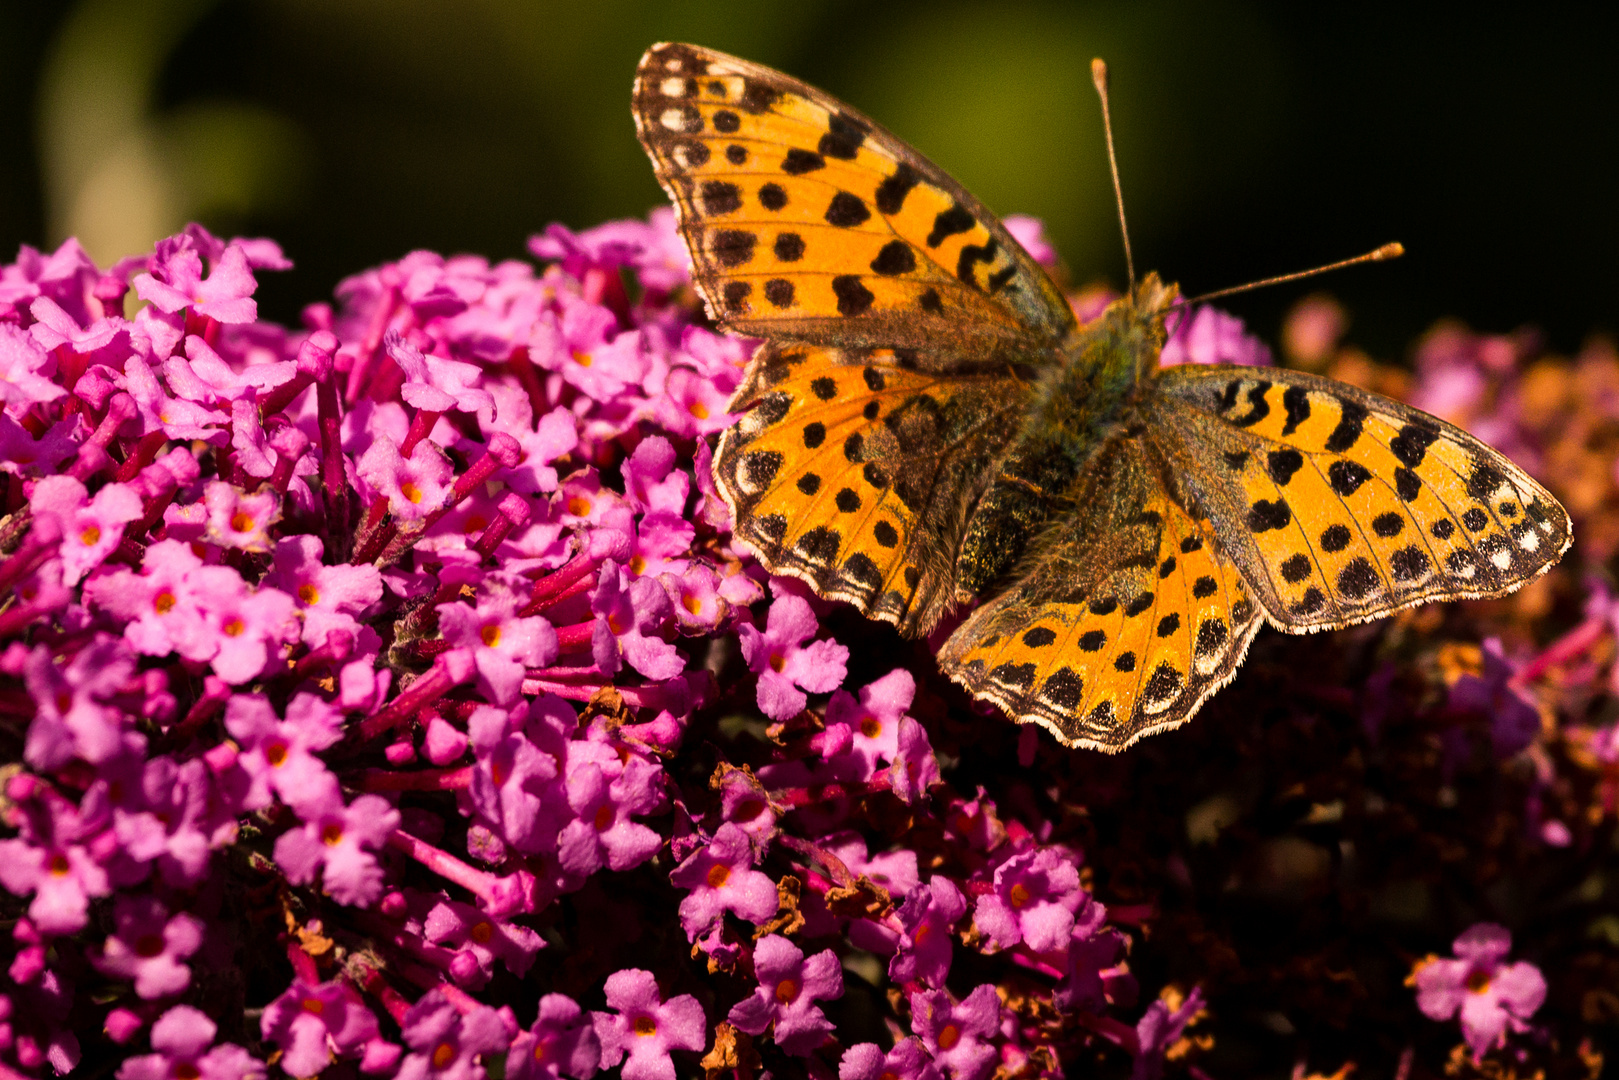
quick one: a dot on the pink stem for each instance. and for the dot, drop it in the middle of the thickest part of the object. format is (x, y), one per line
(145, 450)
(548, 587)
(805, 796)
(514, 511)
(451, 669)
(420, 425)
(93, 453)
(332, 475)
(421, 780)
(372, 981)
(1561, 651)
(576, 636)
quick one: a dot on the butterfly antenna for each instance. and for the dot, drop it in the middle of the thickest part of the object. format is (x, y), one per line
(1382, 254)
(1099, 77)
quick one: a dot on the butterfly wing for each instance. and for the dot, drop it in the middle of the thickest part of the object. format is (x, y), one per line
(1122, 625)
(808, 222)
(1340, 505)
(853, 470)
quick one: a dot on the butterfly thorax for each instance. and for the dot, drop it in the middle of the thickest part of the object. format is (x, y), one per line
(1076, 407)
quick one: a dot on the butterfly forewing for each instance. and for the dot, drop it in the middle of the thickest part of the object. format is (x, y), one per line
(1119, 629)
(1341, 505)
(852, 471)
(807, 221)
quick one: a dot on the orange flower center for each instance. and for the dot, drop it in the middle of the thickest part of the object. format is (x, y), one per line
(410, 491)
(90, 536)
(787, 991)
(276, 754)
(540, 1049)
(949, 1037)
(443, 1054)
(331, 835)
(579, 506)
(1019, 895)
(234, 628)
(582, 358)
(645, 1025)
(185, 1070)
(308, 595)
(64, 701)
(777, 662)
(497, 774)
(241, 521)
(1478, 982)
(698, 409)
(163, 603)
(871, 727)
(692, 604)
(604, 816)
(637, 564)
(718, 875)
(482, 932)
(923, 932)
(314, 1005)
(59, 865)
(490, 634)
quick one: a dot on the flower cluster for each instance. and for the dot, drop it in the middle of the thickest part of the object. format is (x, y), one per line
(386, 695)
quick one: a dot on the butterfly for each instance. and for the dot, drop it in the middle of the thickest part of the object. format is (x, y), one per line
(927, 425)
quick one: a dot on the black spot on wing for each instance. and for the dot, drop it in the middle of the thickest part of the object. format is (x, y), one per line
(892, 191)
(1347, 432)
(949, 222)
(1296, 403)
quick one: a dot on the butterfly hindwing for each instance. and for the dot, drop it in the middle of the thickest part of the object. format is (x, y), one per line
(1120, 628)
(852, 470)
(807, 221)
(1341, 505)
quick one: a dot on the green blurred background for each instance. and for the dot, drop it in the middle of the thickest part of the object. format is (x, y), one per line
(1254, 138)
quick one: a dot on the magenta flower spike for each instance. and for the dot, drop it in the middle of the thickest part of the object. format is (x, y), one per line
(908, 1060)
(928, 917)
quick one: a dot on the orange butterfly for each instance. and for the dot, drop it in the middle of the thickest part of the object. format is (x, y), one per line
(927, 424)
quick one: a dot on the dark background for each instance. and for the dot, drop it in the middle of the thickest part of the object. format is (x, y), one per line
(1254, 138)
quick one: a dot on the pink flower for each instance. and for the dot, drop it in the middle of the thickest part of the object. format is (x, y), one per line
(721, 878)
(562, 1042)
(602, 832)
(502, 643)
(928, 915)
(908, 1060)
(327, 597)
(874, 720)
(1158, 1028)
(340, 841)
(91, 528)
(475, 935)
(309, 1022)
(1035, 896)
(448, 1045)
(414, 486)
(585, 347)
(279, 755)
(1492, 997)
(956, 1033)
(1208, 335)
(150, 946)
(182, 1039)
(239, 520)
(646, 1028)
(176, 282)
(73, 714)
(52, 861)
(24, 371)
(784, 663)
(789, 986)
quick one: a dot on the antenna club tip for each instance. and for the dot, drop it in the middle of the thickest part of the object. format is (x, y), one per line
(1389, 251)
(1099, 74)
